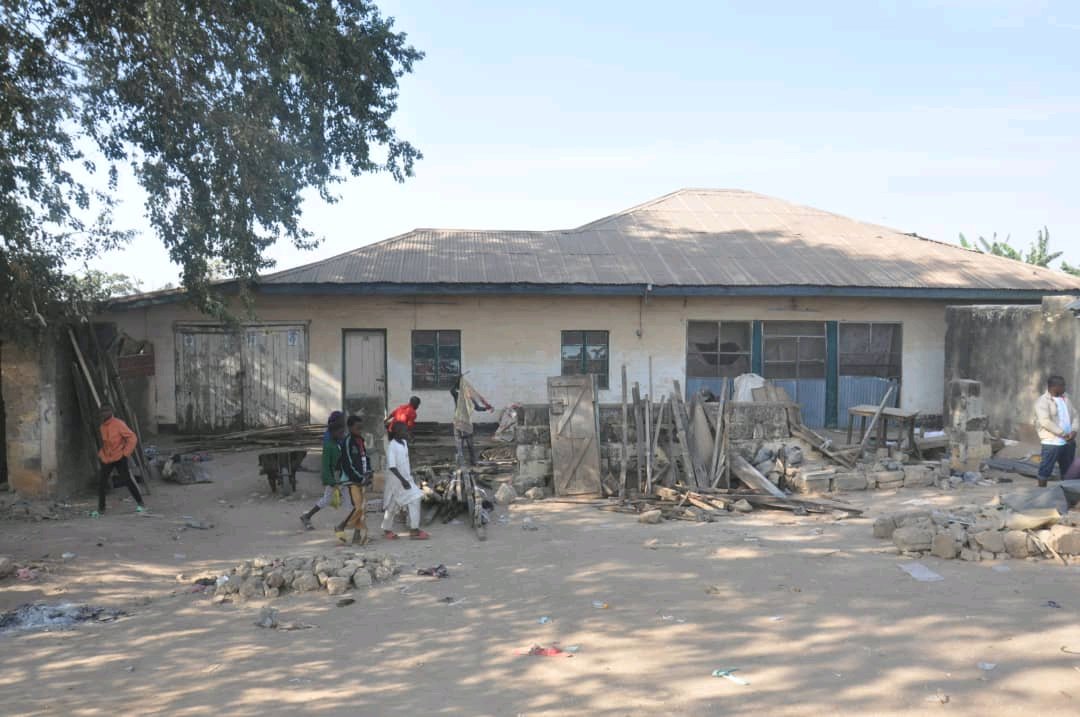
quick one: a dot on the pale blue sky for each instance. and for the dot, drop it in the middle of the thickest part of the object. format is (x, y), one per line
(929, 116)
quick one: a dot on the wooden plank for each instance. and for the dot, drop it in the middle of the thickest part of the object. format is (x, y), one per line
(751, 477)
(625, 448)
(639, 421)
(874, 420)
(821, 445)
(694, 469)
(86, 371)
(648, 444)
(718, 433)
(701, 438)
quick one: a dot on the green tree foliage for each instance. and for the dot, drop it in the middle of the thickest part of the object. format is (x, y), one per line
(1038, 252)
(226, 113)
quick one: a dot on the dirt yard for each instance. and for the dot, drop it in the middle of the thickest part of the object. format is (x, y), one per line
(812, 612)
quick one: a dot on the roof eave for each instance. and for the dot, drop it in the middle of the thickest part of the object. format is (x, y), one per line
(524, 289)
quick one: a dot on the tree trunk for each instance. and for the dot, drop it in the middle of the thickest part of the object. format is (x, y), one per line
(3, 423)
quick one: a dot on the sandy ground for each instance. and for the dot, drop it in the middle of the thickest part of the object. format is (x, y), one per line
(811, 611)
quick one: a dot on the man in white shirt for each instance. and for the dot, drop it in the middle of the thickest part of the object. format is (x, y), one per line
(1056, 423)
(399, 489)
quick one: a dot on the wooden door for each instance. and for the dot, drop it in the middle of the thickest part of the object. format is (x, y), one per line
(575, 434)
(275, 375)
(208, 378)
(364, 383)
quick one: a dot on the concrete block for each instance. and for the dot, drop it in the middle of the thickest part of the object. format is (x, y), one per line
(975, 438)
(1065, 539)
(884, 526)
(1019, 544)
(918, 476)
(889, 479)
(849, 482)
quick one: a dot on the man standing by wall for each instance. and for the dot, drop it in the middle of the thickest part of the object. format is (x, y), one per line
(1056, 422)
(466, 400)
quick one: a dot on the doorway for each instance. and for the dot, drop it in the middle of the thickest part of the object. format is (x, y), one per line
(363, 384)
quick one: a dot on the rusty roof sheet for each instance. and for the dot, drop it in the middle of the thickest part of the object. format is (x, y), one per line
(692, 237)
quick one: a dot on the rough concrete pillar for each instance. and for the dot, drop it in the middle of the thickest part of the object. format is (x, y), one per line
(966, 424)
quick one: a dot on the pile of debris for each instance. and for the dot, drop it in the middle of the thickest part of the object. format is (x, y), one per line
(269, 578)
(1018, 525)
(12, 507)
(692, 454)
(45, 617)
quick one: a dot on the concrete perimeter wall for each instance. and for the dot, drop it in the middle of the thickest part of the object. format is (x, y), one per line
(511, 344)
(1012, 350)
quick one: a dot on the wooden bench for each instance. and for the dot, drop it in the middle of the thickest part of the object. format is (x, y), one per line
(904, 419)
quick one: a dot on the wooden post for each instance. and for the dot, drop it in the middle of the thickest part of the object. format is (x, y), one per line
(648, 445)
(638, 419)
(877, 415)
(625, 448)
(694, 469)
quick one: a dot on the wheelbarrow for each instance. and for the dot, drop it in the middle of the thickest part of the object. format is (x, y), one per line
(280, 469)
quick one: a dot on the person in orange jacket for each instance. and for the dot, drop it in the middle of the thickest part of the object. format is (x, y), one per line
(117, 443)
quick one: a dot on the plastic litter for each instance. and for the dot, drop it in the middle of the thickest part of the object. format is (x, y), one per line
(68, 556)
(730, 676)
(776, 618)
(600, 605)
(987, 666)
(572, 648)
(439, 571)
(920, 572)
(1051, 603)
(553, 651)
(544, 620)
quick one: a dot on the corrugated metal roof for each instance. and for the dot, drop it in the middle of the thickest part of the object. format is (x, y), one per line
(692, 237)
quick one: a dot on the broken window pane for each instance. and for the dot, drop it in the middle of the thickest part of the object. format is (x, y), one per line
(879, 355)
(701, 336)
(586, 352)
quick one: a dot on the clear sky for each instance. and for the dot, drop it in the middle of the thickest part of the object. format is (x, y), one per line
(929, 116)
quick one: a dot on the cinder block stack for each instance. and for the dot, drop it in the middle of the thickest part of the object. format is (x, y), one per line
(966, 423)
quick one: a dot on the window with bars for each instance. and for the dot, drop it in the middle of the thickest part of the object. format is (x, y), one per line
(717, 349)
(586, 352)
(794, 349)
(870, 349)
(436, 359)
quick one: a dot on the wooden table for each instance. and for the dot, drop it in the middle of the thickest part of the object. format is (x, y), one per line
(905, 420)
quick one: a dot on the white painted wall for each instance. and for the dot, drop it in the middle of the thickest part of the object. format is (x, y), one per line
(511, 344)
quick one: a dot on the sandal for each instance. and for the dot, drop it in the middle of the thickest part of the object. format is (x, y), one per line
(390, 535)
(420, 535)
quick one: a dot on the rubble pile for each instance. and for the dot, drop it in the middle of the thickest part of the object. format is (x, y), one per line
(269, 578)
(988, 532)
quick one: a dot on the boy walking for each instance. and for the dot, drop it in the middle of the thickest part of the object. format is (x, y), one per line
(400, 490)
(356, 471)
(117, 444)
(331, 470)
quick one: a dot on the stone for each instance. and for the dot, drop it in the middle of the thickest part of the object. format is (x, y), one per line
(958, 532)
(506, 494)
(346, 572)
(765, 467)
(793, 455)
(1019, 544)
(337, 586)
(743, 506)
(1065, 539)
(536, 493)
(819, 482)
(913, 517)
(305, 582)
(261, 562)
(7, 566)
(252, 587)
(323, 566)
(383, 573)
(913, 537)
(849, 482)
(918, 476)
(270, 593)
(944, 547)
(1033, 519)
(990, 520)
(268, 618)
(651, 516)
(322, 578)
(275, 579)
(969, 554)
(884, 525)
(992, 541)
(362, 579)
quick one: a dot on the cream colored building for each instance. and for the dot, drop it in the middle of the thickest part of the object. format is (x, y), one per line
(694, 287)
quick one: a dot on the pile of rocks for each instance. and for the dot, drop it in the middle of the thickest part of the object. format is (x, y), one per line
(269, 578)
(883, 475)
(987, 532)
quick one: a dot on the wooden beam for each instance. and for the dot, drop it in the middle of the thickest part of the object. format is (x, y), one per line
(694, 469)
(625, 447)
(753, 478)
(640, 442)
(874, 420)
